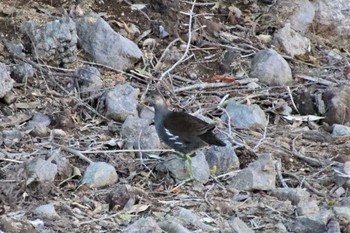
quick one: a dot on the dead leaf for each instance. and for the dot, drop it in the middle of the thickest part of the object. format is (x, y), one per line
(138, 208)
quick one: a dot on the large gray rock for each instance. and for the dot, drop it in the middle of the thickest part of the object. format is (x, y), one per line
(299, 13)
(332, 20)
(259, 175)
(121, 102)
(290, 41)
(138, 133)
(270, 68)
(245, 116)
(56, 41)
(222, 159)
(104, 45)
(180, 169)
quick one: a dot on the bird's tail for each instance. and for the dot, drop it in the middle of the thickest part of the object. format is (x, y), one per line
(211, 139)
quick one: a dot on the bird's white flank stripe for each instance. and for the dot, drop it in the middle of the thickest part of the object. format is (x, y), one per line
(179, 143)
(168, 132)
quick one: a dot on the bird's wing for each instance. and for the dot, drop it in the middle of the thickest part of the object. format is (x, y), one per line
(186, 126)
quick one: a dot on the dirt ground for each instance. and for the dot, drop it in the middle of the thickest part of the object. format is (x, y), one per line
(154, 193)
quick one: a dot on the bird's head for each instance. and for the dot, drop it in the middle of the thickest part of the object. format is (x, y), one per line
(154, 99)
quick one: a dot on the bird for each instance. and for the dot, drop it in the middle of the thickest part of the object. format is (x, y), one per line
(181, 131)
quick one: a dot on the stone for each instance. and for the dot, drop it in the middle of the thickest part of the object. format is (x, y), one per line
(295, 195)
(332, 21)
(270, 68)
(290, 41)
(245, 116)
(21, 72)
(312, 223)
(46, 211)
(99, 174)
(307, 208)
(121, 102)
(6, 82)
(173, 226)
(143, 225)
(55, 41)
(41, 170)
(222, 159)
(342, 213)
(105, 45)
(340, 130)
(91, 82)
(192, 218)
(259, 175)
(179, 167)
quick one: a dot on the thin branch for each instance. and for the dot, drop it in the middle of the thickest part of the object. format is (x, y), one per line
(187, 46)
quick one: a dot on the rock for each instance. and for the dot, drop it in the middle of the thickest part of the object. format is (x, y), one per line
(121, 102)
(104, 45)
(64, 168)
(189, 217)
(238, 226)
(290, 41)
(259, 175)
(147, 114)
(245, 116)
(332, 22)
(39, 118)
(14, 48)
(179, 167)
(307, 208)
(342, 174)
(92, 82)
(121, 197)
(173, 227)
(132, 126)
(46, 211)
(6, 82)
(39, 125)
(342, 213)
(12, 136)
(270, 68)
(139, 134)
(337, 100)
(312, 223)
(99, 174)
(222, 159)
(9, 98)
(56, 41)
(333, 226)
(149, 139)
(21, 72)
(299, 13)
(143, 225)
(295, 195)
(39, 130)
(14, 225)
(340, 130)
(41, 170)
(281, 228)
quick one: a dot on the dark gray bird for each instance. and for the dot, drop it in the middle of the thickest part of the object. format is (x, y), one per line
(179, 130)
